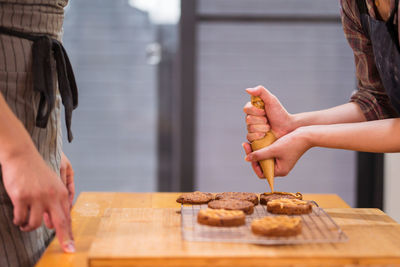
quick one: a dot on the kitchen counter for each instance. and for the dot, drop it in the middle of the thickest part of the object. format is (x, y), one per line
(143, 229)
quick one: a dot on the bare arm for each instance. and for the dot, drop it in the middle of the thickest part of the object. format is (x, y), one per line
(380, 136)
(14, 139)
(346, 113)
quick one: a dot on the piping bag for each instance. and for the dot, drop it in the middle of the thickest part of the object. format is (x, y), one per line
(267, 165)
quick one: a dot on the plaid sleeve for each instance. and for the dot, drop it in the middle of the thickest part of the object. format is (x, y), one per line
(371, 95)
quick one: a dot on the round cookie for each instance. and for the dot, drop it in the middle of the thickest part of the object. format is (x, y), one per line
(277, 226)
(221, 217)
(289, 206)
(232, 204)
(238, 195)
(195, 198)
(265, 197)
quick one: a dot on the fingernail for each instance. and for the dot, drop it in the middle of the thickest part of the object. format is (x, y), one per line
(250, 89)
(69, 246)
(248, 158)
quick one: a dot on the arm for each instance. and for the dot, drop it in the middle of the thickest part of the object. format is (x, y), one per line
(349, 112)
(372, 136)
(14, 140)
(281, 122)
(22, 165)
(381, 136)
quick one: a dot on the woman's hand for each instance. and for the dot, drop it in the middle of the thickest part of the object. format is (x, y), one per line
(67, 176)
(287, 150)
(274, 117)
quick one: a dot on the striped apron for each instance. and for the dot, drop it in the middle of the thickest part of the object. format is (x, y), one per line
(44, 17)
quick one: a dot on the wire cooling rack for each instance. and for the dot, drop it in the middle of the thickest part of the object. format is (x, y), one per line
(318, 227)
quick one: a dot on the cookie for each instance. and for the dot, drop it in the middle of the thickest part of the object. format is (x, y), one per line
(289, 206)
(265, 197)
(277, 226)
(232, 204)
(221, 217)
(238, 195)
(195, 198)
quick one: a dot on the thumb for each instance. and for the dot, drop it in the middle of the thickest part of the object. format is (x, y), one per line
(261, 154)
(261, 92)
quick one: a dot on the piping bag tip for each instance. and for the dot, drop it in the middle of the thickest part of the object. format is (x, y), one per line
(271, 183)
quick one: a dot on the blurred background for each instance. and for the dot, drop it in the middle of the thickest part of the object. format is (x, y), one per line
(162, 90)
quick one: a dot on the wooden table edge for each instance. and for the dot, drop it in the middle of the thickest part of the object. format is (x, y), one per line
(240, 261)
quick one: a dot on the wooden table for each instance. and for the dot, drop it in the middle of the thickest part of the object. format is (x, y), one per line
(124, 226)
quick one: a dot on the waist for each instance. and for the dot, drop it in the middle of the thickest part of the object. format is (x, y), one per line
(44, 49)
(34, 19)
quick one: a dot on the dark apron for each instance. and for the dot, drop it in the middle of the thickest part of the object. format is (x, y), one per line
(44, 49)
(385, 46)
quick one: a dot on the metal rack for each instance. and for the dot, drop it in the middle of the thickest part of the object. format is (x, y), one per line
(318, 227)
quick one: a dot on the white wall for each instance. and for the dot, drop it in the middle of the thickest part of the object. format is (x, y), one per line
(392, 185)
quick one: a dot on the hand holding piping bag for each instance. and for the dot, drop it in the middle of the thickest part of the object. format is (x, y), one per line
(267, 165)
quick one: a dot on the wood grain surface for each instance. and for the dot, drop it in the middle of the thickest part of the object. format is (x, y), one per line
(143, 236)
(89, 214)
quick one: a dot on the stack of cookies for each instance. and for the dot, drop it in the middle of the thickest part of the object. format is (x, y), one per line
(224, 209)
(230, 209)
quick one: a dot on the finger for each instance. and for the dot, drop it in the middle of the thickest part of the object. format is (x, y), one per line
(71, 193)
(282, 168)
(63, 175)
(262, 92)
(70, 184)
(67, 211)
(252, 110)
(62, 223)
(262, 154)
(35, 218)
(251, 119)
(47, 220)
(247, 148)
(257, 169)
(254, 136)
(21, 214)
(258, 128)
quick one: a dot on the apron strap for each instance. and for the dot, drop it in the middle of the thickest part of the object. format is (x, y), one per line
(362, 7)
(66, 83)
(363, 10)
(43, 49)
(364, 19)
(392, 26)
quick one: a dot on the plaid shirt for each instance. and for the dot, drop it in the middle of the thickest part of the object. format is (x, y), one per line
(371, 95)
